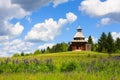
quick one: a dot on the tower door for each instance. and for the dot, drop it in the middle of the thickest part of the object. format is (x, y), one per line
(77, 47)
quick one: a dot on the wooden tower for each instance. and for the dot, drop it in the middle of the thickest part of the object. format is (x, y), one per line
(79, 42)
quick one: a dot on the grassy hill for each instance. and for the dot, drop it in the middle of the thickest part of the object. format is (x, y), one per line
(61, 66)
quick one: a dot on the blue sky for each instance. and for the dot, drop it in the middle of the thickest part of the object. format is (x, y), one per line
(27, 25)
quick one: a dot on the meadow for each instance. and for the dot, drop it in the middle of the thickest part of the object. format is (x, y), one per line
(61, 66)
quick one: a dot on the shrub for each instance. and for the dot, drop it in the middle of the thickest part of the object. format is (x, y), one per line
(16, 55)
(70, 66)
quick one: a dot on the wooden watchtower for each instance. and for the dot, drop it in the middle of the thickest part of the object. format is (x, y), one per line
(79, 42)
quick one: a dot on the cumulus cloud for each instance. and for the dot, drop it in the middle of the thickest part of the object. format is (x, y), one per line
(9, 11)
(115, 35)
(18, 9)
(44, 46)
(17, 45)
(105, 21)
(17, 29)
(98, 8)
(49, 29)
(71, 17)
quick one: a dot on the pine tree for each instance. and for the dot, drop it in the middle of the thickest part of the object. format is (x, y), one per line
(102, 43)
(90, 41)
(110, 44)
(117, 45)
(22, 53)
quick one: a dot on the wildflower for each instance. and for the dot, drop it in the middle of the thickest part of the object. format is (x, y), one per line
(36, 61)
(7, 60)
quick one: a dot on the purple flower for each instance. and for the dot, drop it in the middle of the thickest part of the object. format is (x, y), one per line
(36, 61)
(7, 60)
(26, 61)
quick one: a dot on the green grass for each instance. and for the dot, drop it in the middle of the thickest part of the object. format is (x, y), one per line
(104, 67)
(58, 76)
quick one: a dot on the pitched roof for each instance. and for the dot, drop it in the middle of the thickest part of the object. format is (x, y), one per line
(79, 35)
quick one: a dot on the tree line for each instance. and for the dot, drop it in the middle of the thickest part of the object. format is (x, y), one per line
(105, 44)
(59, 47)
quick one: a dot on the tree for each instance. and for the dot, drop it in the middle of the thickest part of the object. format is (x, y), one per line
(37, 52)
(59, 47)
(117, 45)
(22, 53)
(42, 51)
(110, 44)
(64, 47)
(90, 41)
(47, 50)
(102, 43)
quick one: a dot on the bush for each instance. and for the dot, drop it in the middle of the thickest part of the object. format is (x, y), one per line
(117, 51)
(16, 55)
(70, 66)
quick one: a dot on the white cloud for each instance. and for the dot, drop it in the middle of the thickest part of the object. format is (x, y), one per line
(18, 9)
(3, 39)
(17, 45)
(49, 29)
(115, 35)
(98, 8)
(105, 21)
(44, 46)
(17, 29)
(57, 2)
(71, 17)
(9, 11)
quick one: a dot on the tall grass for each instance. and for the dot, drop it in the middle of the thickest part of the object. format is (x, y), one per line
(61, 66)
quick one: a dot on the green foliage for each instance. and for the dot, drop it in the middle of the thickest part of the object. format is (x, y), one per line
(107, 44)
(117, 45)
(110, 44)
(90, 41)
(102, 43)
(16, 55)
(65, 63)
(22, 53)
(37, 52)
(117, 51)
(70, 66)
(60, 47)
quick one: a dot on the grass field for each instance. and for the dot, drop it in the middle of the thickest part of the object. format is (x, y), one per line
(62, 66)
